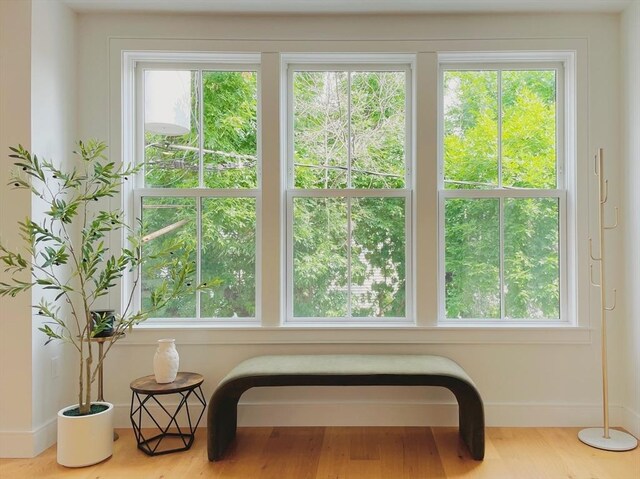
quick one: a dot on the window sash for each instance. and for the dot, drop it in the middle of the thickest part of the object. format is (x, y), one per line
(200, 68)
(501, 193)
(561, 147)
(561, 196)
(348, 65)
(200, 63)
(407, 68)
(199, 196)
(349, 194)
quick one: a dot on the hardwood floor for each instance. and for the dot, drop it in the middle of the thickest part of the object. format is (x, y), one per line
(354, 453)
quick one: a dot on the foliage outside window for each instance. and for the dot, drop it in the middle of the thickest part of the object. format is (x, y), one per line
(502, 192)
(200, 182)
(348, 195)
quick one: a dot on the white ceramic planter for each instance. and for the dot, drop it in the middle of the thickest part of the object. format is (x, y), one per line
(85, 440)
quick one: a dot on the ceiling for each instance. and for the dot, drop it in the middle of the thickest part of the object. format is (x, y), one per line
(348, 6)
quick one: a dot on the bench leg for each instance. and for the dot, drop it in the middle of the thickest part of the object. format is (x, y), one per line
(471, 422)
(222, 421)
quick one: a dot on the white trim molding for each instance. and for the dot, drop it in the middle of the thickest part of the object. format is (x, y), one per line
(396, 413)
(423, 55)
(27, 444)
(201, 334)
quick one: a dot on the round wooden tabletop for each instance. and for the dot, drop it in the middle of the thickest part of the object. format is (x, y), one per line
(183, 382)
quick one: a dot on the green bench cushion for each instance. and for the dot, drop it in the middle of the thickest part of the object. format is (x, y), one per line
(348, 365)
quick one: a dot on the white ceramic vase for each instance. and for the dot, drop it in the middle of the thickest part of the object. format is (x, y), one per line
(85, 440)
(166, 361)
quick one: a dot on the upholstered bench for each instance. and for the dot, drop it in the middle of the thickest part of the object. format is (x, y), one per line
(344, 370)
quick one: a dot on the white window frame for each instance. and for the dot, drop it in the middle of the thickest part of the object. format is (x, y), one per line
(134, 65)
(424, 326)
(564, 65)
(348, 62)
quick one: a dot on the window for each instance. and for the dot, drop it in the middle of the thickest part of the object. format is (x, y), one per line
(502, 191)
(198, 137)
(479, 232)
(349, 192)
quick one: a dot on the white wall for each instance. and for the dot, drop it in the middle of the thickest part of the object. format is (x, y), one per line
(15, 313)
(38, 110)
(53, 130)
(536, 382)
(630, 36)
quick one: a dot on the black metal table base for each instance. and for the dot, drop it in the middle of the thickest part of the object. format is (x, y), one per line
(152, 446)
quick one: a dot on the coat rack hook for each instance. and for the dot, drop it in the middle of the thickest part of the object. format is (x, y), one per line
(593, 258)
(615, 223)
(613, 306)
(605, 197)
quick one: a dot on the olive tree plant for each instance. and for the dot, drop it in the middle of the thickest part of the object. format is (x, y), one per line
(67, 254)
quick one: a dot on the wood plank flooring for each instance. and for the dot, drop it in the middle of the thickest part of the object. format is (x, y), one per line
(354, 453)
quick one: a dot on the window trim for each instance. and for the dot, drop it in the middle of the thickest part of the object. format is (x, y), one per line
(292, 63)
(563, 63)
(123, 51)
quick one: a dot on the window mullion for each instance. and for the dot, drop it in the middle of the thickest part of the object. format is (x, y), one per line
(289, 255)
(290, 131)
(349, 139)
(501, 200)
(349, 239)
(198, 254)
(499, 142)
(349, 185)
(200, 100)
(502, 288)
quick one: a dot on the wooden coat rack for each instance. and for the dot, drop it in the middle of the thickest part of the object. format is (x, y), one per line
(604, 437)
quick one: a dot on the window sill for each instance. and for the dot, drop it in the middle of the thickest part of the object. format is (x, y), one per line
(221, 333)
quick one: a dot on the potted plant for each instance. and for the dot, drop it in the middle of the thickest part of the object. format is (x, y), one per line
(69, 258)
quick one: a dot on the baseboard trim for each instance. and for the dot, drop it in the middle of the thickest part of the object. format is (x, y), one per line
(26, 444)
(385, 413)
(628, 419)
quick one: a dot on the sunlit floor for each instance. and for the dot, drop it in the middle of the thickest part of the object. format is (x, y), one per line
(355, 452)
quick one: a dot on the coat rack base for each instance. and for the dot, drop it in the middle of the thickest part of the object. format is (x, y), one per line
(617, 440)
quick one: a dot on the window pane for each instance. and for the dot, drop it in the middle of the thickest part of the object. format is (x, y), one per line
(471, 129)
(230, 128)
(531, 263)
(472, 258)
(529, 129)
(378, 129)
(378, 263)
(165, 221)
(320, 130)
(319, 257)
(171, 129)
(228, 257)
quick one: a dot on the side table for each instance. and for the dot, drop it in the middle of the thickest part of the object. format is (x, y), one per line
(145, 392)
